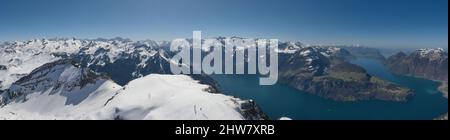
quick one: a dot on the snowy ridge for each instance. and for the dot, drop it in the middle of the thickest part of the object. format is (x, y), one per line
(330, 51)
(58, 89)
(19, 58)
(166, 101)
(432, 54)
(311, 57)
(105, 55)
(63, 90)
(289, 47)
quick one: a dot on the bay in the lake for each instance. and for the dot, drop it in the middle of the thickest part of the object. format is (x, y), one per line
(283, 101)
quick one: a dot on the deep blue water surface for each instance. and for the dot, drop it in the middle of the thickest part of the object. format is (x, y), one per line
(281, 100)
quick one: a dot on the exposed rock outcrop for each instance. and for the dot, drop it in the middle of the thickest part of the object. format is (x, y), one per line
(426, 63)
(334, 78)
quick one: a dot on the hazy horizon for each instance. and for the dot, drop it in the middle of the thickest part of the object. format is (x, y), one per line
(371, 23)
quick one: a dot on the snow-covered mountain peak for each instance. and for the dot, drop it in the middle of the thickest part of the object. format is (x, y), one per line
(432, 53)
(175, 94)
(151, 97)
(60, 77)
(289, 47)
(330, 51)
(19, 58)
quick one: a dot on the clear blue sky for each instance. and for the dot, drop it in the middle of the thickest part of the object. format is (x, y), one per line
(380, 23)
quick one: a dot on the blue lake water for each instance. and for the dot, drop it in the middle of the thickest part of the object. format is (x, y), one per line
(281, 100)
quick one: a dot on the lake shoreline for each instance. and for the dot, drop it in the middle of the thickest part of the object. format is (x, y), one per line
(444, 89)
(281, 100)
(442, 117)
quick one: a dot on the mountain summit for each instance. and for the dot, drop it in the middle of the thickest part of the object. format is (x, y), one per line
(426, 63)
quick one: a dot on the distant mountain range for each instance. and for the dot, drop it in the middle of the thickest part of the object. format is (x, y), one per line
(123, 79)
(60, 79)
(65, 90)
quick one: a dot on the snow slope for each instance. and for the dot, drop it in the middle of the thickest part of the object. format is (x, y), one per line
(18, 59)
(171, 97)
(63, 90)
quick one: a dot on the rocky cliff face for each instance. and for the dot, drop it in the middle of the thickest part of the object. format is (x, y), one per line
(331, 76)
(426, 63)
(3, 67)
(59, 77)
